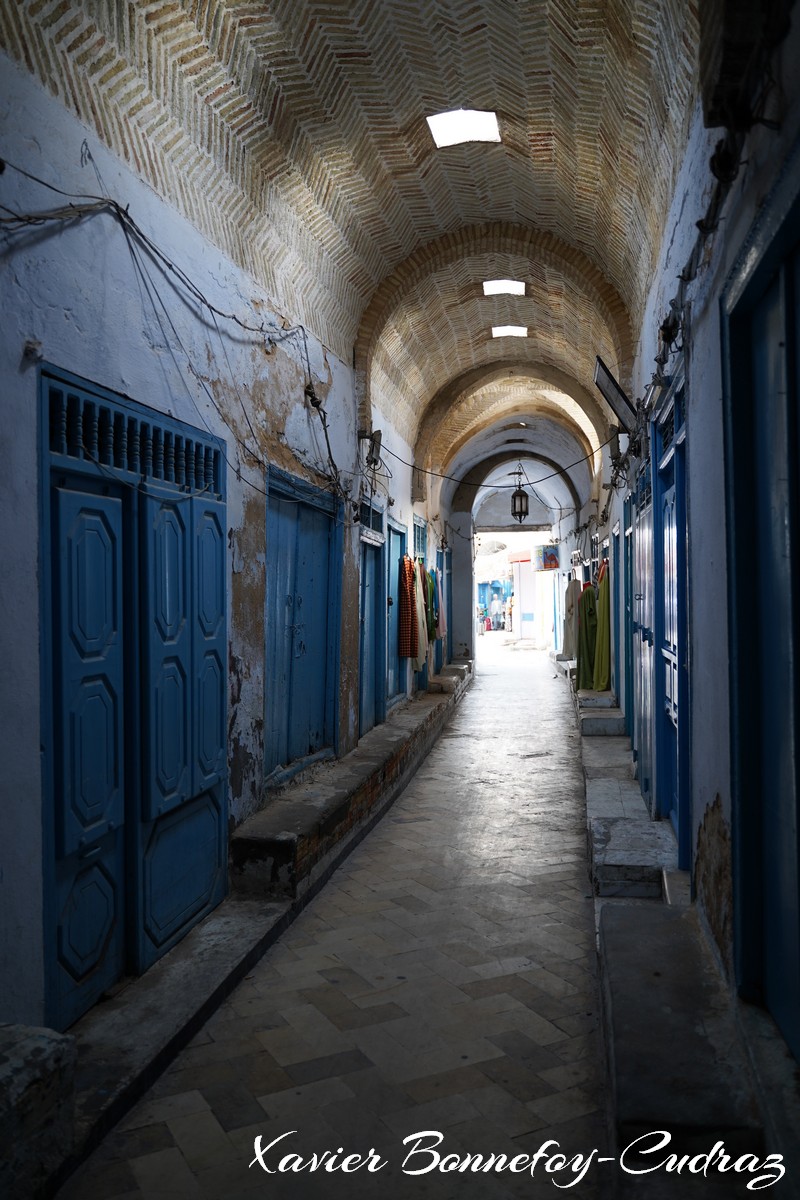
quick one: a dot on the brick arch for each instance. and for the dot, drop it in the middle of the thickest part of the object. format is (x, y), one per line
(447, 273)
(467, 490)
(460, 411)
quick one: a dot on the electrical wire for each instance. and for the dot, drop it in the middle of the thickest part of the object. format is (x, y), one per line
(500, 486)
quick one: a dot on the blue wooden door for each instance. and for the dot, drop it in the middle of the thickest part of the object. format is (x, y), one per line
(448, 600)
(368, 657)
(775, 649)
(299, 636)
(181, 861)
(308, 692)
(643, 640)
(90, 758)
(395, 666)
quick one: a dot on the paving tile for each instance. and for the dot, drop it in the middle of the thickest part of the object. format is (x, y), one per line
(327, 1066)
(165, 1174)
(444, 978)
(201, 1140)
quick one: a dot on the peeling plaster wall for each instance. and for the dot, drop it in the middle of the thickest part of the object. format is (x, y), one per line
(73, 290)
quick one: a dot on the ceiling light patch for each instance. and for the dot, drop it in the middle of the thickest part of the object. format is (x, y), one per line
(509, 331)
(503, 287)
(463, 125)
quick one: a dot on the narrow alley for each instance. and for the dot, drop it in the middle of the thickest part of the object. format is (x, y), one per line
(442, 980)
(335, 331)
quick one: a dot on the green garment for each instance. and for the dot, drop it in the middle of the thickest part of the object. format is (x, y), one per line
(602, 650)
(587, 635)
(429, 609)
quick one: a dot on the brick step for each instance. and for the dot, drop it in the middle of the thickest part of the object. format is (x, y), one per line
(306, 827)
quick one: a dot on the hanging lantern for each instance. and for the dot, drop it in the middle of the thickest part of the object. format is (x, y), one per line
(519, 499)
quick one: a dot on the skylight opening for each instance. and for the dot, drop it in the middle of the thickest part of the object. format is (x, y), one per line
(463, 125)
(503, 287)
(509, 331)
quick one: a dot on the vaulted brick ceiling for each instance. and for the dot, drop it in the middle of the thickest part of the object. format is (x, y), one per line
(293, 134)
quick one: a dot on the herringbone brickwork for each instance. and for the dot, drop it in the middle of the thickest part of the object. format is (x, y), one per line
(292, 134)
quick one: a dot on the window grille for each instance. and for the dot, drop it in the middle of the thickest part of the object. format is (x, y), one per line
(93, 428)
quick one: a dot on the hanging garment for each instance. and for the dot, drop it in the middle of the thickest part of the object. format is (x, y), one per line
(572, 599)
(442, 614)
(420, 598)
(587, 637)
(430, 611)
(602, 650)
(407, 617)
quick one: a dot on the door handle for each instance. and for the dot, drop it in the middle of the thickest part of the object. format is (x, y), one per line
(389, 602)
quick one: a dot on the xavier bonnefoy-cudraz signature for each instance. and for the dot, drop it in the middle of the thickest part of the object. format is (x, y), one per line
(425, 1153)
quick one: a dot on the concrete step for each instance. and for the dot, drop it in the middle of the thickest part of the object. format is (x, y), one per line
(692, 1080)
(677, 888)
(601, 722)
(565, 666)
(591, 699)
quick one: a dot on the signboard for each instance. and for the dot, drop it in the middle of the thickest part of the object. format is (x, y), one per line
(545, 558)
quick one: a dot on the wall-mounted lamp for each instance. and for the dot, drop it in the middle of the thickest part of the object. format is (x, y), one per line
(519, 498)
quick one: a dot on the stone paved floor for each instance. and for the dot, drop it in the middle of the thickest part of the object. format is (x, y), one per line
(443, 980)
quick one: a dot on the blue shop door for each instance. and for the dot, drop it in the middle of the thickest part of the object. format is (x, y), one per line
(775, 651)
(298, 645)
(643, 642)
(369, 649)
(310, 646)
(90, 761)
(395, 672)
(183, 836)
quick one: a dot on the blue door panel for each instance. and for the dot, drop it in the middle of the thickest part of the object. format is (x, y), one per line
(309, 685)
(183, 638)
(90, 762)
(183, 870)
(209, 649)
(281, 556)
(166, 655)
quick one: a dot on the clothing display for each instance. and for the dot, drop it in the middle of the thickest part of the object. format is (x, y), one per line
(587, 637)
(430, 609)
(572, 598)
(420, 607)
(407, 618)
(602, 650)
(442, 618)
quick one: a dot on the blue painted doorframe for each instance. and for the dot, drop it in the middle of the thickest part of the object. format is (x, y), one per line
(396, 667)
(134, 687)
(643, 637)
(372, 672)
(671, 713)
(761, 356)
